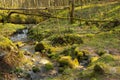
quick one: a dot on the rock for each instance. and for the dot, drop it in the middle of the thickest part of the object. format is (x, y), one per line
(66, 61)
(99, 69)
(40, 47)
(49, 66)
(19, 31)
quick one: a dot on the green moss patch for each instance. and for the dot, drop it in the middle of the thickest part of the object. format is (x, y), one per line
(9, 28)
(67, 39)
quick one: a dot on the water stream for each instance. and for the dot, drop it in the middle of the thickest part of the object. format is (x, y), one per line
(21, 36)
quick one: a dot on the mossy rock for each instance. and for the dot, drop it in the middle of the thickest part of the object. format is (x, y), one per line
(101, 52)
(106, 58)
(82, 55)
(66, 61)
(75, 52)
(99, 69)
(54, 56)
(19, 44)
(6, 44)
(49, 66)
(71, 51)
(93, 59)
(41, 47)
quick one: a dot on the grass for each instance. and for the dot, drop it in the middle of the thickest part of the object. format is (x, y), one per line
(99, 11)
(105, 40)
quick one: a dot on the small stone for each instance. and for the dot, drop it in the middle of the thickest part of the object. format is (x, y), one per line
(33, 60)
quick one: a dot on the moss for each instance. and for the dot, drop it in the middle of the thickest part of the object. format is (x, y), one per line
(9, 28)
(107, 58)
(54, 56)
(99, 69)
(41, 47)
(20, 54)
(49, 66)
(35, 69)
(75, 62)
(66, 61)
(61, 69)
(93, 59)
(19, 44)
(70, 51)
(111, 25)
(101, 52)
(82, 55)
(18, 70)
(6, 44)
(67, 39)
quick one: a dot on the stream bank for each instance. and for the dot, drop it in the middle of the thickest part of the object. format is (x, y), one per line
(37, 61)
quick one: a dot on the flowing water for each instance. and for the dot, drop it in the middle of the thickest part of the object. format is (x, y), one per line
(21, 36)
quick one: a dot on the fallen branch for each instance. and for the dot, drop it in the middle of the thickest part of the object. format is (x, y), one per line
(41, 8)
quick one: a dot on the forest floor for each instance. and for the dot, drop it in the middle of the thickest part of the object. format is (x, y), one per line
(58, 50)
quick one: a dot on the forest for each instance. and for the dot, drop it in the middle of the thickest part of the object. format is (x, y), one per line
(59, 39)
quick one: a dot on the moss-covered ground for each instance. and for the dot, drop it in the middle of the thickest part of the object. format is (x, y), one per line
(95, 47)
(79, 51)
